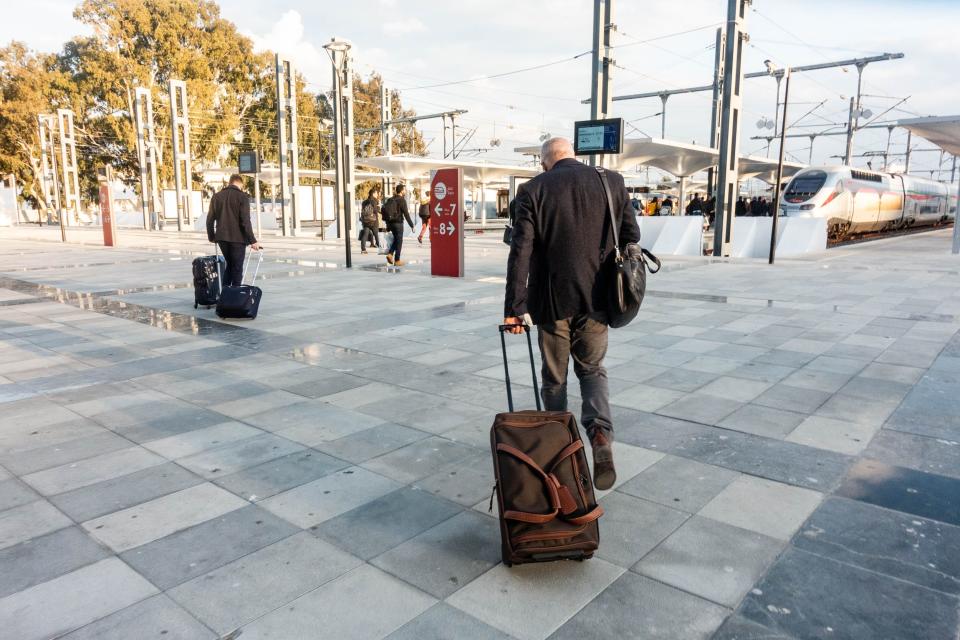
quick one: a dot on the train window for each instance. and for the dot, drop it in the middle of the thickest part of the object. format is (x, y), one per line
(805, 185)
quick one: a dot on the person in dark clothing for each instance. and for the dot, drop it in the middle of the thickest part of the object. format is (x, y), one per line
(562, 243)
(369, 219)
(695, 207)
(741, 207)
(708, 208)
(424, 214)
(394, 211)
(228, 224)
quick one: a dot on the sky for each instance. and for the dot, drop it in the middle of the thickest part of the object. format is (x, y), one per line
(416, 44)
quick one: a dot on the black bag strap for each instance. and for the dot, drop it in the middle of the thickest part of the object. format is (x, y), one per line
(614, 225)
(506, 367)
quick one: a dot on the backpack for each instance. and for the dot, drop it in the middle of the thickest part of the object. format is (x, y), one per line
(368, 214)
(391, 210)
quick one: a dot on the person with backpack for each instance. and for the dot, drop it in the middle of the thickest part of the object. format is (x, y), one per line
(394, 211)
(369, 219)
(424, 216)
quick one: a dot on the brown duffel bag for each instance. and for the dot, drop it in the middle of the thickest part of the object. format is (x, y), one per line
(547, 507)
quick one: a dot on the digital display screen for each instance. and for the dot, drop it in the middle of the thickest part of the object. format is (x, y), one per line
(248, 162)
(592, 137)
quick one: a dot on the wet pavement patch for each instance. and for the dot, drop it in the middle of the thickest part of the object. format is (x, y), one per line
(923, 494)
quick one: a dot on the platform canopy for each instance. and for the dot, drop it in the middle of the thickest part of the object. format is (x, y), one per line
(683, 160)
(413, 167)
(943, 131)
(765, 169)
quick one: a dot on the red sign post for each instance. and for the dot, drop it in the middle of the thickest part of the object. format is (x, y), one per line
(446, 222)
(106, 216)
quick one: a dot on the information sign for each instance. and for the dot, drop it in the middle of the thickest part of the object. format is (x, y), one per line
(596, 137)
(446, 222)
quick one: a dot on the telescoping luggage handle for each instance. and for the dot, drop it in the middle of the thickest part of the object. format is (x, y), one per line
(256, 270)
(506, 367)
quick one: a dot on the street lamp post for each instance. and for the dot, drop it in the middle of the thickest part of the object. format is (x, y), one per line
(776, 187)
(339, 51)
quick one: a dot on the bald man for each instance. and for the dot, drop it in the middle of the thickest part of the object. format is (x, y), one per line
(561, 240)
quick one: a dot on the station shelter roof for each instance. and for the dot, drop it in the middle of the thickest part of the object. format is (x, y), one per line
(413, 167)
(943, 131)
(683, 160)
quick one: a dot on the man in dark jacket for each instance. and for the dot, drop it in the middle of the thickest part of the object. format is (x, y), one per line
(393, 212)
(562, 243)
(370, 219)
(228, 224)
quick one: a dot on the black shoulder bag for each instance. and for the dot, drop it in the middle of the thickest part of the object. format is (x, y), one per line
(627, 274)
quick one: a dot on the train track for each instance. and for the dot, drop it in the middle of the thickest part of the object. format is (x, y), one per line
(879, 235)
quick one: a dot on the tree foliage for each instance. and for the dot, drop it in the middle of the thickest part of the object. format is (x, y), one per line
(145, 43)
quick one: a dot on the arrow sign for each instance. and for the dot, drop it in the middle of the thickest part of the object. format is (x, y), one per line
(451, 229)
(439, 209)
(446, 232)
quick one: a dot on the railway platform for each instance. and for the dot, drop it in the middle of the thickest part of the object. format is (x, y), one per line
(787, 438)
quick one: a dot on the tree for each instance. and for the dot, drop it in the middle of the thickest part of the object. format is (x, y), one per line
(28, 87)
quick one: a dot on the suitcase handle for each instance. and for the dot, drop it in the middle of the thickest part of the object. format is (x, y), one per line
(256, 270)
(506, 367)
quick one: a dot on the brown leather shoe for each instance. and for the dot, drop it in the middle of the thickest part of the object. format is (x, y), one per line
(604, 474)
(389, 258)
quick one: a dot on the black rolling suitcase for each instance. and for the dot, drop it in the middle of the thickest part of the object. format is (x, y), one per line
(207, 274)
(548, 510)
(242, 301)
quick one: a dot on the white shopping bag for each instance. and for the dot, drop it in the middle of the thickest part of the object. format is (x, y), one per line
(386, 241)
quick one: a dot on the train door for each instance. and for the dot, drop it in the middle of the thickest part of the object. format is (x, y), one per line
(866, 208)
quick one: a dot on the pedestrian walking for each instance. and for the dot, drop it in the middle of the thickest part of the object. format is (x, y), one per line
(370, 219)
(557, 272)
(228, 224)
(424, 216)
(394, 212)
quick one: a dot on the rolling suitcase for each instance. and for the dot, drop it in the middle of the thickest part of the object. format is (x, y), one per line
(242, 301)
(207, 274)
(548, 510)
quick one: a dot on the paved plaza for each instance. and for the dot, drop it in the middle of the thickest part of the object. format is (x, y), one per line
(788, 447)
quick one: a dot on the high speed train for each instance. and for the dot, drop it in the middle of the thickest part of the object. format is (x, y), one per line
(858, 201)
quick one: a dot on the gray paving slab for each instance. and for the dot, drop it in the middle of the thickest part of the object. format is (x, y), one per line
(904, 546)
(242, 591)
(124, 491)
(531, 601)
(155, 617)
(280, 474)
(45, 558)
(363, 604)
(790, 398)
(386, 522)
(444, 558)
(371, 443)
(149, 521)
(194, 442)
(711, 559)
(441, 621)
(71, 601)
(933, 455)
(465, 481)
(329, 496)
(92, 470)
(40, 458)
(230, 458)
(791, 599)
(737, 627)
(762, 421)
(420, 459)
(771, 508)
(633, 527)
(184, 555)
(635, 605)
(680, 483)
(30, 521)
(14, 493)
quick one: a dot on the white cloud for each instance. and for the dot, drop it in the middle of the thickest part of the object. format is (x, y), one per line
(286, 37)
(403, 26)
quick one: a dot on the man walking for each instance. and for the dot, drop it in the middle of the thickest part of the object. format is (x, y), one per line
(394, 211)
(370, 219)
(561, 246)
(228, 224)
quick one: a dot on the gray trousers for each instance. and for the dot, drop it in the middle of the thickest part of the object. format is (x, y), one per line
(585, 339)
